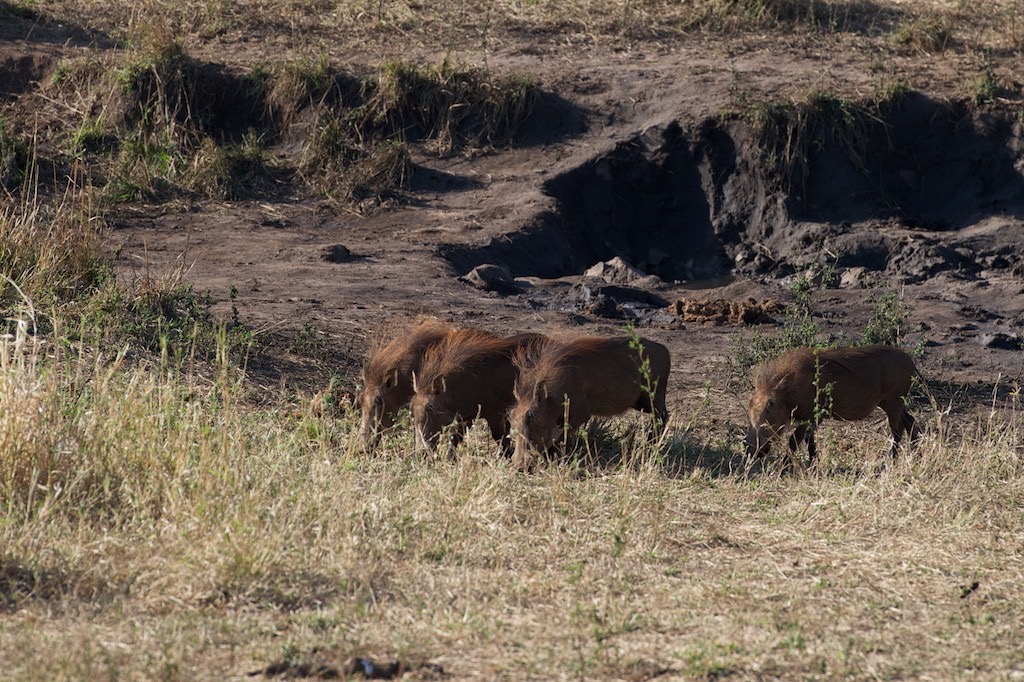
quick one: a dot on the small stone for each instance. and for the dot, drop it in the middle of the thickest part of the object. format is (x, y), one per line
(490, 277)
(614, 271)
(852, 278)
(338, 253)
(1000, 340)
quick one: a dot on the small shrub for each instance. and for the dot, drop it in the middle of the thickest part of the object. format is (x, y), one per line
(986, 87)
(799, 328)
(888, 320)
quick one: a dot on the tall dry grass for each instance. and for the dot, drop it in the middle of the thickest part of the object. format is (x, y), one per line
(157, 526)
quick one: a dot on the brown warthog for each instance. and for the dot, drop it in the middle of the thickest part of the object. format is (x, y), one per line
(563, 383)
(466, 375)
(798, 389)
(387, 376)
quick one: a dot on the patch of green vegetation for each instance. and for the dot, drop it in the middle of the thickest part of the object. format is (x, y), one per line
(986, 87)
(23, 9)
(90, 138)
(168, 319)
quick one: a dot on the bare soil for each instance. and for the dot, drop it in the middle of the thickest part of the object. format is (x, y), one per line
(636, 151)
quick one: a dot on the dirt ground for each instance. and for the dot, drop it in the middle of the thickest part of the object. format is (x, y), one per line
(629, 154)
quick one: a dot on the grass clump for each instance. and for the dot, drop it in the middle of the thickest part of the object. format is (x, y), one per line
(360, 148)
(341, 163)
(14, 158)
(729, 16)
(930, 33)
(450, 107)
(791, 132)
(50, 252)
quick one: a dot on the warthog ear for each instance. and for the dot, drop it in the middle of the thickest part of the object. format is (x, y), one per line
(541, 388)
(782, 383)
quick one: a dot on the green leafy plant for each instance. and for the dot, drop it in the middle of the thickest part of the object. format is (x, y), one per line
(986, 87)
(888, 322)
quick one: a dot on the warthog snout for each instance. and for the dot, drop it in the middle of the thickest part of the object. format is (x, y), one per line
(374, 420)
(757, 443)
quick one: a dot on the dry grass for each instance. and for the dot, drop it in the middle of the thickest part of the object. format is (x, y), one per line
(155, 525)
(480, 26)
(251, 538)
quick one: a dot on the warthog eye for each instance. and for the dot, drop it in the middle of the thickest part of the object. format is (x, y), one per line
(771, 402)
(378, 401)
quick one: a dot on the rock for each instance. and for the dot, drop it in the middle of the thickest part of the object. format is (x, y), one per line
(595, 297)
(490, 277)
(339, 253)
(649, 282)
(614, 271)
(852, 278)
(1000, 340)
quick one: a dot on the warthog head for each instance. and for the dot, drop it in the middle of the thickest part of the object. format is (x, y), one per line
(433, 411)
(380, 399)
(769, 417)
(537, 424)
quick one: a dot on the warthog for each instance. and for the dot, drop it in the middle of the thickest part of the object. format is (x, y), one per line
(562, 384)
(798, 389)
(469, 374)
(387, 376)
